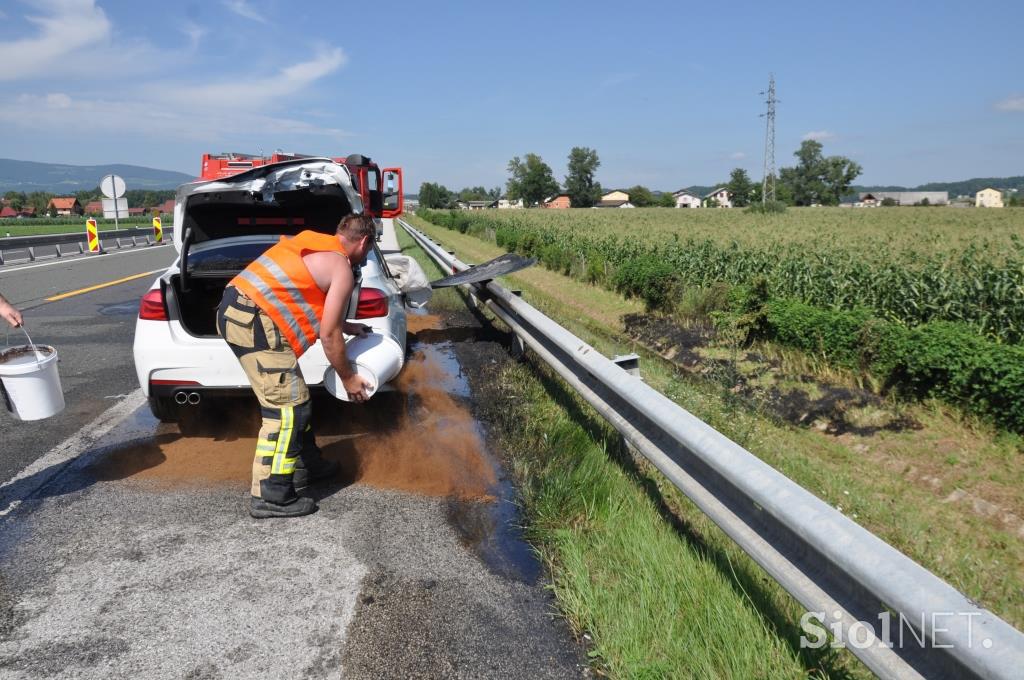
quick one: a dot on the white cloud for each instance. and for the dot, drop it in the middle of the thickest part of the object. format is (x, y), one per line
(819, 135)
(194, 32)
(1015, 103)
(255, 92)
(209, 111)
(133, 116)
(737, 155)
(243, 9)
(64, 28)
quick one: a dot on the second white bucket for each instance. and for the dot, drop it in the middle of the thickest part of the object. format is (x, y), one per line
(31, 383)
(376, 357)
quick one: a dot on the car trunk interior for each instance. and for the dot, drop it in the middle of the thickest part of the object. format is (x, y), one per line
(197, 306)
(221, 215)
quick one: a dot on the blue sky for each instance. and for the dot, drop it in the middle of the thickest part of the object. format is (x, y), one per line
(668, 93)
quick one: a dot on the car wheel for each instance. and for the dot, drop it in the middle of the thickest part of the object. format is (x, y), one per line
(164, 409)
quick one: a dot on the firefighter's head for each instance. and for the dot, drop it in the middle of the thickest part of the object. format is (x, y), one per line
(357, 234)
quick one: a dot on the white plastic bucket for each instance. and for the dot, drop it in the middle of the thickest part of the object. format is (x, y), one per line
(376, 357)
(31, 383)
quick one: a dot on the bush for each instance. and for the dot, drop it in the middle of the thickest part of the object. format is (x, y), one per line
(652, 281)
(767, 208)
(940, 359)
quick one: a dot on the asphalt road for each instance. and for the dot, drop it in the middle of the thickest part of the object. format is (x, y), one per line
(126, 551)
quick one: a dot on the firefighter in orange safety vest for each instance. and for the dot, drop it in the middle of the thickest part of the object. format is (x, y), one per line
(295, 293)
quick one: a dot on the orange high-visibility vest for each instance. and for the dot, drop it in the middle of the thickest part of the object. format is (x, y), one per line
(280, 285)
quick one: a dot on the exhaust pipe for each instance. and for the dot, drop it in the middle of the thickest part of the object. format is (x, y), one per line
(180, 398)
(193, 398)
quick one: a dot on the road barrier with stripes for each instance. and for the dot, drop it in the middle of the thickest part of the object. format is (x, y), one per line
(900, 619)
(20, 249)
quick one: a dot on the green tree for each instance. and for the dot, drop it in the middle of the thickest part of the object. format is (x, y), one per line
(816, 178)
(434, 196)
(474, 194)
(640, 196)
(530, 179)
(740, 188)
(583, 190)
(665, 200)
(17, 199)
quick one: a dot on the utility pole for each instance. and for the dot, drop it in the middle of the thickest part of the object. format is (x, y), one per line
(768, 183)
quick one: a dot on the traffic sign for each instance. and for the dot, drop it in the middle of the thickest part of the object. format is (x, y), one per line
(112, 186)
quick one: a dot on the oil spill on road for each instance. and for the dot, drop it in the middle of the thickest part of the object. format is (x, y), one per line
(490, 529)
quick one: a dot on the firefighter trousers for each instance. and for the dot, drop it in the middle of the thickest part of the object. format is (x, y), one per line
(273, 370)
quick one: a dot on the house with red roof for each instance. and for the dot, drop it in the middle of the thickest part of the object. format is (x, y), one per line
(93, 208)
(64, 205)
(8, 211)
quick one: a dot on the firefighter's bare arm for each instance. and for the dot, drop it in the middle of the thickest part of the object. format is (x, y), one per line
(332, 327)
(9, 313)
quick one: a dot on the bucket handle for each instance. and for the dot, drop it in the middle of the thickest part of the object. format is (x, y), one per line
(32, 345)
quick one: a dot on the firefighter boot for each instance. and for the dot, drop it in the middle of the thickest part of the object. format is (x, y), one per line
(278, 499)
(312, 466)
(301, 506)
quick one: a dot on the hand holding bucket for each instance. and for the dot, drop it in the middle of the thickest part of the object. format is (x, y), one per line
(29, 381)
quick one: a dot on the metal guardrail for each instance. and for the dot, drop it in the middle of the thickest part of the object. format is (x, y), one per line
(900, 619)
(20, 249)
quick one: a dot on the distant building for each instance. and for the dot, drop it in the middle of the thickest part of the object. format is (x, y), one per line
(165, 208)
(721, 196)
(93, 208)
(8, 211)
(64, 205)
(558, 202)
(617, 195)
(684, 199)
(473, 205)
(136, 212)
(875, 198)
(988, 198)
(506, 204)
(614, 203)
(28, 211)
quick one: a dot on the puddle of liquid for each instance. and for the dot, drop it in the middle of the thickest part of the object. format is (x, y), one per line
(421, 438)
(129, 308)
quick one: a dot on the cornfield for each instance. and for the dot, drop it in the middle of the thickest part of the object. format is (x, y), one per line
(910, 265)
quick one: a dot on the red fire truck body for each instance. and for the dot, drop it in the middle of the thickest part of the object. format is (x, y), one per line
(373, 183)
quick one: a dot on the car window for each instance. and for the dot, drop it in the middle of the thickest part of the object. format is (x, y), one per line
(232, 257)
(237, 256)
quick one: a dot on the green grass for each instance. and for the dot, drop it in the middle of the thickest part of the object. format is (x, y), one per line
(39, 227)
(896, 484)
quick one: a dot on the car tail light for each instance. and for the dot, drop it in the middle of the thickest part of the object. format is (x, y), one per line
(372, 303)
(152, 307)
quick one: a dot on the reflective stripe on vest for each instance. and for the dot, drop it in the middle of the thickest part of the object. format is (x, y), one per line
(282, 287)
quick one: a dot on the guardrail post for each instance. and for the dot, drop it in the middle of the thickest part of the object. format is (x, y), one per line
(630, 363)
(1, 257)
(59, 254)
(31, 254)
(81, 248)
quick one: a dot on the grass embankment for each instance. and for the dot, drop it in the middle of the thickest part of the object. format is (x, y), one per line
(41, 226)
(941, 493)
(655, 597)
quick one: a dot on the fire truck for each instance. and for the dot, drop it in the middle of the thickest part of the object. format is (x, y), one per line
(380, 189)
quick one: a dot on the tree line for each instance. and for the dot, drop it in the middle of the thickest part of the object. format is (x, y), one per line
(137, 198)
(816, 179)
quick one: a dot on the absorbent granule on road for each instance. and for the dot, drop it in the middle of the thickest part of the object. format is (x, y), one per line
(435, 448)
(421, 439)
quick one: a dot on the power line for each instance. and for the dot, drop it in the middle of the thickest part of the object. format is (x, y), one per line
(768, 183)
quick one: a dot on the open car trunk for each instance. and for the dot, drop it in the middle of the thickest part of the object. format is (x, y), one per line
(197, 306)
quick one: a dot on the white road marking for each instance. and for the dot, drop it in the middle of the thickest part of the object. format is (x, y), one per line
(57, 459)
(68, 259)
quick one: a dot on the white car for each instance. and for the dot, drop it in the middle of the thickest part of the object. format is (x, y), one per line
(220, 227)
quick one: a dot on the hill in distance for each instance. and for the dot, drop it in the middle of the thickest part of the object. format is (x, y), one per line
(58, 178)
(967, 187)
